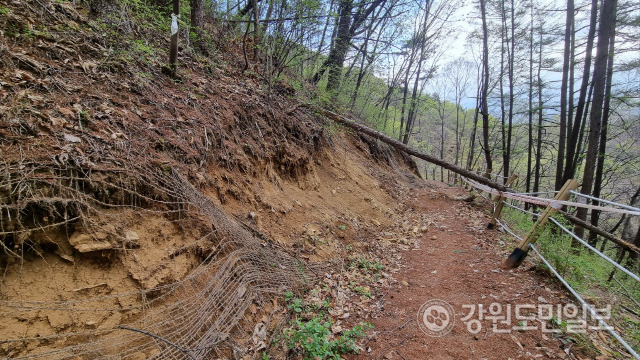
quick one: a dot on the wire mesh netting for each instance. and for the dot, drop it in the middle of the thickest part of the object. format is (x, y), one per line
(191, 318)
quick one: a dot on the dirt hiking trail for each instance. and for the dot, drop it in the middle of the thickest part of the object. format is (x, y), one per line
(458, 261)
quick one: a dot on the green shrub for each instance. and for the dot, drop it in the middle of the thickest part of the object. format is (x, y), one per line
(313, 338)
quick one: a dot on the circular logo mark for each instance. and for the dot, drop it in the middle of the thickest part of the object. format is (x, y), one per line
(436, 318)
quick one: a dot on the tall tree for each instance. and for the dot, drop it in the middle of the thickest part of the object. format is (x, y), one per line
(566, 61)
(574, 139)
(530, 112)
(197, 18)
(602, 150)
(349, 24)
(457, 73)
(484, 107)
(605, 34)
(511, 63)
(539, 128)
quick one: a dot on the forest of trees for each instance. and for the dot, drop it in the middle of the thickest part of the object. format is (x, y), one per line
(548, 91)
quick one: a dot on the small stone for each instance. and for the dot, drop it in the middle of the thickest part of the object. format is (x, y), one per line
(59, 320)
(85, 243)
(71, 138)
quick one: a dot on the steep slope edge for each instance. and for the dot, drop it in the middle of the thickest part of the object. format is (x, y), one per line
(142, 217)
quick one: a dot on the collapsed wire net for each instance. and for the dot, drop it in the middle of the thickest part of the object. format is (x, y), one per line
(192, 318)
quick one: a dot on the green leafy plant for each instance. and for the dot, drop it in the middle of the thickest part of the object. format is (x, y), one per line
(362, 291)
(366, 265)
(293, 303)
(314, 339)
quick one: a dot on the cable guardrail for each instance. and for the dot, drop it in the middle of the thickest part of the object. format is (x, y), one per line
(549, 202)
(556, 204)
(601, 321)
(539, 192)
(605, 201)
(620, 267)
(521, 209)
(593, 313)
(573, 235)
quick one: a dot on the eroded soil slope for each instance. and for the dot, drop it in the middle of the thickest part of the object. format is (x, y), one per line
(133, 204)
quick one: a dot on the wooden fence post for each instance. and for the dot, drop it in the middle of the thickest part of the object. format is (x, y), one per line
(173, 50)
(499, 204)
(517, 256)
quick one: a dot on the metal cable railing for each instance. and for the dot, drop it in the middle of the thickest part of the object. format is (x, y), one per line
(573, 235)
(601, 321)
(605, 201)
(620, 267)
(527, 198)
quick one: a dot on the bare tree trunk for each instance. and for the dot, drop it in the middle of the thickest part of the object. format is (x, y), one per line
(511, 95)
(414, 102)
(538, 162)
(441, 108)
(597, 188)
(607, 26)
(485, 87)
(563, 96)
(572, 149)
(472, 139)
(572, 68)
(404, 103)
(530, 115)
(503, 130)
(197, 19)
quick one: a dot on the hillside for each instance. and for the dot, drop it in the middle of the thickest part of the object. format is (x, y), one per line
(147, 216)
(124, 193)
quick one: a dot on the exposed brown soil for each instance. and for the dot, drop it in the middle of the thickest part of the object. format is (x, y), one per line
(458, 261)
(82, 133)
(87, 145)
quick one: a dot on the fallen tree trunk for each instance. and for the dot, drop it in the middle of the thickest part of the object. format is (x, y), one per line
(623, 244)
(400, 146)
